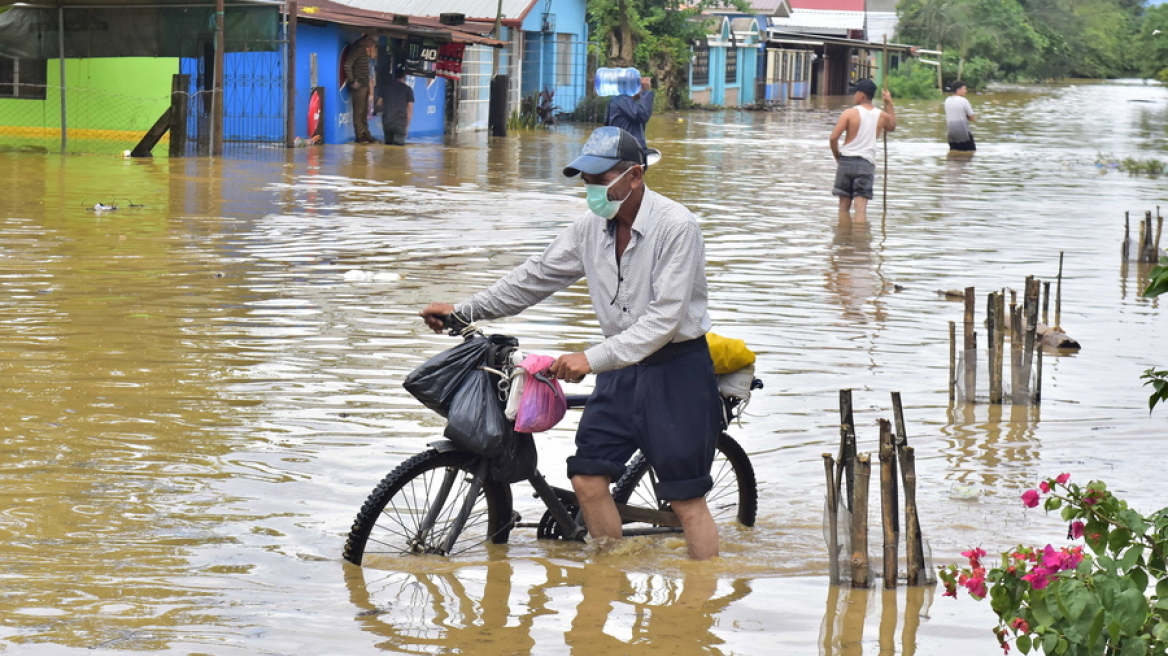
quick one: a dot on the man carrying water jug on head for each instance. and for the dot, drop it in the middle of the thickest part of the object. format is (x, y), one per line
(631, 108)
(645, 263)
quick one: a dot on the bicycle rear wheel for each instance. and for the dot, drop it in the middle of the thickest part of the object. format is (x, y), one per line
(402, 515)
(733, 497)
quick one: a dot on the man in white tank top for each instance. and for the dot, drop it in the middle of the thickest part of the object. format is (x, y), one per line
(856, 160)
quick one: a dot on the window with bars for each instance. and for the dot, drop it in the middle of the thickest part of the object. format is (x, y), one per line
(701, 65)
(564, 63)
(23, 78)
(731, 65)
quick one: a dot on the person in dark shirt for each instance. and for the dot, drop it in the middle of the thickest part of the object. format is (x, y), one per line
(356, 67)
(396, 102)
(631, 113)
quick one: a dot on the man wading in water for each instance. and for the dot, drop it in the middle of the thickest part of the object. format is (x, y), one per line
(855, 174)
(644, 259)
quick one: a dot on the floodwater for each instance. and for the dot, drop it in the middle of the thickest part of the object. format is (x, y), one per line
(201, 387)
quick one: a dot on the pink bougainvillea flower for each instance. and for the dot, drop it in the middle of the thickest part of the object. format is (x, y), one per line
(1020, 625)
(1074, 557)
(1077, 530)
(976, 587)
(1090, 499)
(1063, 478)
(1044, 486)
(1038, 578)
(1051, 559)
(974, 555)
(1030, 498)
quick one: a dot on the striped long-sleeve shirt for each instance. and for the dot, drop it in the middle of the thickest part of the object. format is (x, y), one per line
(654, 295)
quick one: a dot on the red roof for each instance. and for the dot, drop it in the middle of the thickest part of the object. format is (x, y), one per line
(829, 5)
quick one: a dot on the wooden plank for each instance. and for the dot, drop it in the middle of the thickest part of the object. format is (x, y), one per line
(152, 136)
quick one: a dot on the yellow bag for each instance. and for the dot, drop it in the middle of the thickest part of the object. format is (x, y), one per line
(728, 354)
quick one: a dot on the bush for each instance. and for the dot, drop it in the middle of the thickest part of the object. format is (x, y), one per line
(913, 80)
(1107, 596)
(976, 72)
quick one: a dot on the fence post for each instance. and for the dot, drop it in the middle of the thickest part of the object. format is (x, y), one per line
(61, 54)
(290, 79)
(179, 86)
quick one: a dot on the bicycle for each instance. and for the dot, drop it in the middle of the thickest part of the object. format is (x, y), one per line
(444, 500)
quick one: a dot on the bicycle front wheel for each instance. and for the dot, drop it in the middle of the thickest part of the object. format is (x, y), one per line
(416, 508)
(733, 497)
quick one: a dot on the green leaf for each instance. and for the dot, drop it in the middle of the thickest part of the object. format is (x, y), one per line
(1131, 557)
(1052, 503)
(1130, 611)
(1096, 629)
(1134, 647)
(1074, 598)
(1050, 642)
(1063, 646)
(1023, 643)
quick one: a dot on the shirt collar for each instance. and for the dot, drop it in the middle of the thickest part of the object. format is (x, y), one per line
(645, 219)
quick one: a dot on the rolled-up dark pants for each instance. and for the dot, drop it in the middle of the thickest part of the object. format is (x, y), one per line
(668, 409)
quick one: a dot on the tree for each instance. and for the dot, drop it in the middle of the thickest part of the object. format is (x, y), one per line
(653, 36)
(998, 30)
(1151, 44)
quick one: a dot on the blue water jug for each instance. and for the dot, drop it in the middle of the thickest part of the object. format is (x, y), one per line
(617, 82)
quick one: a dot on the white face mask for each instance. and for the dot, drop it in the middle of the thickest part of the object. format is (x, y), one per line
(598, 200)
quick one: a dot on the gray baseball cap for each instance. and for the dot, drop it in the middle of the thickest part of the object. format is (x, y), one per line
(607, 147)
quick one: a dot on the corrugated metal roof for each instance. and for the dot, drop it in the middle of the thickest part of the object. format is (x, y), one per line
(837, 23)
(513, 10)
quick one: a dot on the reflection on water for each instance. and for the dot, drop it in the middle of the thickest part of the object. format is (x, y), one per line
(200, 392)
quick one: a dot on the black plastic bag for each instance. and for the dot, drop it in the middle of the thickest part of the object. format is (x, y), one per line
(475, 421)
(518, 460)
(436, 380)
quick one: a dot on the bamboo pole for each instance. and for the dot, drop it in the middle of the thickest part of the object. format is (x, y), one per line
(1149, 251)
(1126, 234)
(217, 84)
(888, 503)
(994, 342)
(1159, 232)
(863, 472)
(1016, 354)
(970, 354)
(884, 80)
(832, 520)
(898, 418)
(1058, 295)
(1046, 302)
(952, 361)
(1000, 342)
(1030, 305)
(290, 78)
(845, 466)
(914, 545)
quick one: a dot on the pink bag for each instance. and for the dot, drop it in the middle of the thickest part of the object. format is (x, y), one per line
(542, 404)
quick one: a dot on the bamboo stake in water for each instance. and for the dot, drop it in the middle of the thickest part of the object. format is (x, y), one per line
(914, 545)
(952, 361)
(889, 508)
(863, 472)
(1058, 295)
(832, 520)
(993, 343)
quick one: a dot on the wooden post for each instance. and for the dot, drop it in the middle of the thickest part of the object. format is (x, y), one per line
(1016, 384)
(290, 79)
(993, 343)
(970, 354)
(1149, 252)
(863, 472)
(1046, 302)
(217, 84)
(1058, 295)
(832, 520)
(889, 508)
(1030, 305)
(61, 60)
(1159, 232)
(952, 361)
(898, 419)
(914, 545)
(179, 104)
(1126, 234)
(845, 470)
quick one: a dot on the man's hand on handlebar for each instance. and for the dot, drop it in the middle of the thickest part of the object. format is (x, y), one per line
(571, 367)
(434, 315)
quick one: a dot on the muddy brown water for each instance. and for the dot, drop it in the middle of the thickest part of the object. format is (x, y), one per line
(201, 387)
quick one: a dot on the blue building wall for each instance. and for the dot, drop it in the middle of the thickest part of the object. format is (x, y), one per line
(544, 65)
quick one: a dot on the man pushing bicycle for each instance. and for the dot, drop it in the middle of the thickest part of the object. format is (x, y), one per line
(644, 259)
